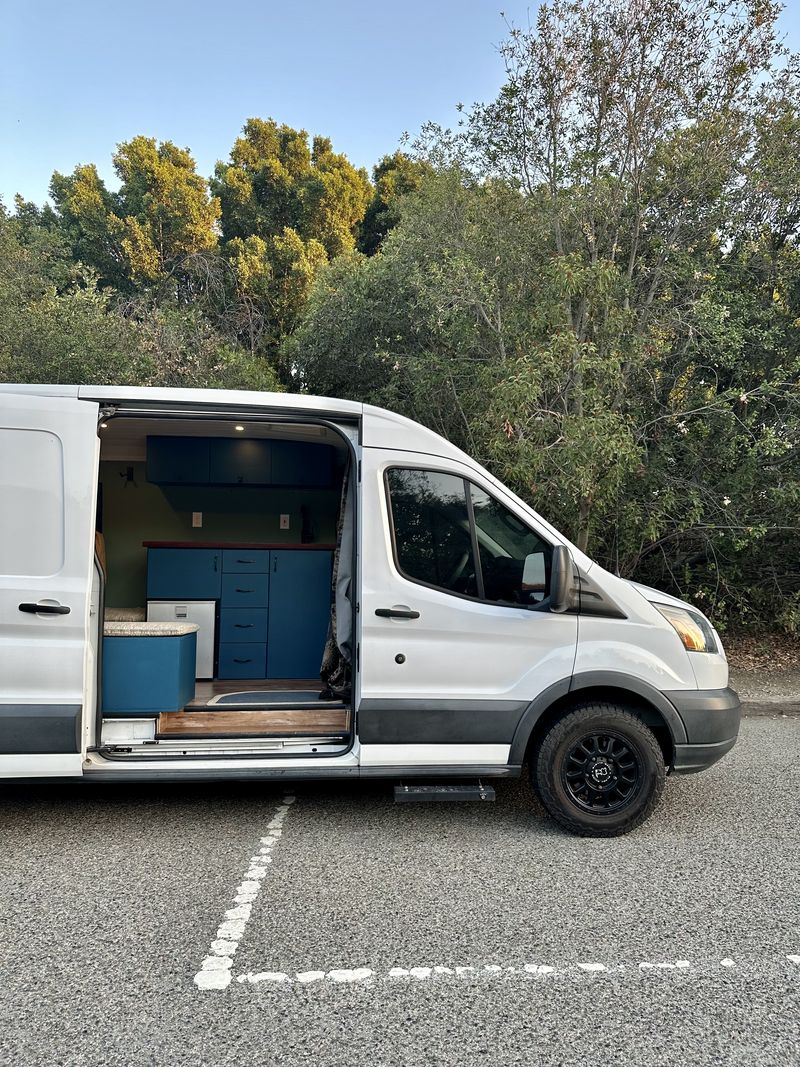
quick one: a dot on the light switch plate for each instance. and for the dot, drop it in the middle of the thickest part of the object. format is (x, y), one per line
(197, 518)
(284, 522)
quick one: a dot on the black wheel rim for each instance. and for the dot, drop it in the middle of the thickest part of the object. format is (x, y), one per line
(602, 772)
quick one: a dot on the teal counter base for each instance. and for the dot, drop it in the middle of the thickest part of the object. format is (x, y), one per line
(148, 675)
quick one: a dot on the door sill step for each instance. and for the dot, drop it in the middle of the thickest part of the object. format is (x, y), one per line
(437, 792)
(171, 748)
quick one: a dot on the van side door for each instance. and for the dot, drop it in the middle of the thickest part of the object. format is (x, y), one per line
(48, 488)
(457, 638)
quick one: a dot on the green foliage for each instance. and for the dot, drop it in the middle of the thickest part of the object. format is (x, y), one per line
(394, 177)
(161, 214)
(596, 294)
(275, 181)
(56, 325)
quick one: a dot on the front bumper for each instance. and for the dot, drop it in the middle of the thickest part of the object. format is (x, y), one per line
(711, 718)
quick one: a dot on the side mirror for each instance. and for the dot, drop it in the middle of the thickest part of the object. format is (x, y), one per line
(561, 579)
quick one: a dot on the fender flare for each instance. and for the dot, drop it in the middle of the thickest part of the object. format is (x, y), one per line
(594, 680)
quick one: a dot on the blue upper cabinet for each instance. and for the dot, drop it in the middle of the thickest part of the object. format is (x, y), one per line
(178, 460)
(241, 462)
(299, 612)
(184, 573)
(299, 463)
(238, 461)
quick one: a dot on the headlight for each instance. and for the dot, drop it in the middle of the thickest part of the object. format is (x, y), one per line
(694, 631)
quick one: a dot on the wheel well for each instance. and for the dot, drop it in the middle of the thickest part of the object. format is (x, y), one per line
(632, 702)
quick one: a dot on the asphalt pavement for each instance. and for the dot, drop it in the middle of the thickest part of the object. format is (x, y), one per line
(344, 929)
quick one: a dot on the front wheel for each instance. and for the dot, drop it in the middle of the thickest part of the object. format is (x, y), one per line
(599, 771)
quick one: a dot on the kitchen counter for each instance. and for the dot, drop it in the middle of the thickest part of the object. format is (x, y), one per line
(239, 545)
(149, 629)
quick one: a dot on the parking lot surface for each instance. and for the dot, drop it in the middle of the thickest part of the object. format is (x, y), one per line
(226, 923)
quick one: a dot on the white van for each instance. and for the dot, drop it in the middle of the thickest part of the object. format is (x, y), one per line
(175, 565)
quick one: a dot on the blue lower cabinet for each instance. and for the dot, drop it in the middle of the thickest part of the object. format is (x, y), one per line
(242, 660)
(184, 573)
(299, 612)
(243, 624)
(148, 675)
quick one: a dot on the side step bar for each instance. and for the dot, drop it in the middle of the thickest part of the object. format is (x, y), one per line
(431, 792)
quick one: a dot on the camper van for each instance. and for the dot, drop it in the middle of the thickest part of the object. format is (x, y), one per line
(202, 584)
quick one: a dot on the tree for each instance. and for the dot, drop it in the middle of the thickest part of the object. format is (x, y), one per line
(87, 213)
(287, 208)
(274, 181)
(395, 176)
(139, 235)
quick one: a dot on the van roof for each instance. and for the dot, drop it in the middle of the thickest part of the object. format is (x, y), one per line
(142, 394)
(380, 429)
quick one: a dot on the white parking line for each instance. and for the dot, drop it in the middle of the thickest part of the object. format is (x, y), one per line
(215, 970)
(525, 970)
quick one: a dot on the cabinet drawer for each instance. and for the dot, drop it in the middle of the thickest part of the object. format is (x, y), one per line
(239, 660)
(243, 624)
(245, 561)
(245, 590)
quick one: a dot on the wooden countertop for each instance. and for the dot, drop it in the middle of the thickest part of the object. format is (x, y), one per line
(237, 545)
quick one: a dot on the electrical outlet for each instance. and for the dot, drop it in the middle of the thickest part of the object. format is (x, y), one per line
(197, 518)
(284, 522)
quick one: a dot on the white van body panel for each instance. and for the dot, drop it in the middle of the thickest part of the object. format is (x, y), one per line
(38, 765)
(643, 645)
(48, 473)
(434, 755)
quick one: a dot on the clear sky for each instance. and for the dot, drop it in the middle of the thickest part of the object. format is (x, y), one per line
(76, 78)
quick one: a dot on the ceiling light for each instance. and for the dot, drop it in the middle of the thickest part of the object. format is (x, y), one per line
(239, 428)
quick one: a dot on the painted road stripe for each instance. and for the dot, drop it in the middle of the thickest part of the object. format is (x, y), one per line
(215, 970)
(344, 975)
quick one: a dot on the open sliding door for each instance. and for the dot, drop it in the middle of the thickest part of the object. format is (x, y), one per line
(48, 486)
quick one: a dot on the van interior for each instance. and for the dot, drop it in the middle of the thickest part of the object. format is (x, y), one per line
(219, 629)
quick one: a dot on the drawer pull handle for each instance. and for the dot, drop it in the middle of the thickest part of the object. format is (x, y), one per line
(235, 660)
(245, 561)
(245, 590)
(244, 625)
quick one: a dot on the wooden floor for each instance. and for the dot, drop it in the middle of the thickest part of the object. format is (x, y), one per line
(206, 690)
(319, 722)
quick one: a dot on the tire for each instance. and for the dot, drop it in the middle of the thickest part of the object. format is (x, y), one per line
(599, 771)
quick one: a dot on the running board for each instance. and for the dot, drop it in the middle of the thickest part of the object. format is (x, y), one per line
(432, 792)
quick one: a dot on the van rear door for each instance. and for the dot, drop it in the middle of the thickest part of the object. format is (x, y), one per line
(48, 488)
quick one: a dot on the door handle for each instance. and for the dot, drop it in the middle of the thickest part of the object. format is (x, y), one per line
(396, 613)
(45, 609)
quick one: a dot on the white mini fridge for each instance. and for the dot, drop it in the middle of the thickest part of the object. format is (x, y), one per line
(204, 613)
